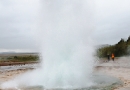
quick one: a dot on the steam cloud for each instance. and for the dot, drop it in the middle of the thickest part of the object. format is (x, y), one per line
(67, 48)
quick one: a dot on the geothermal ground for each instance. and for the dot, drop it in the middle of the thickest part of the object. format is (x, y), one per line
(120, 68)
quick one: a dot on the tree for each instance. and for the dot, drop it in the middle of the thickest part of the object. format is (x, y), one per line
(120, 49)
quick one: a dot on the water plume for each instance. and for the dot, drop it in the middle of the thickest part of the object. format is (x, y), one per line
(67, 47)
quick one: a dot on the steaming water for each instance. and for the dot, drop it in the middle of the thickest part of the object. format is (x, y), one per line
(67, 52)
(67, 48)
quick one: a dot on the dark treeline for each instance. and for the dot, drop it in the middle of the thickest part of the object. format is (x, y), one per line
(122, 48)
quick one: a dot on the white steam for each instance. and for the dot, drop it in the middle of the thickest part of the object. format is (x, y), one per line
(67, 48)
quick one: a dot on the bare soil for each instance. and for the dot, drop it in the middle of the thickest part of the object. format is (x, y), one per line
(17, 63)
(119, 68)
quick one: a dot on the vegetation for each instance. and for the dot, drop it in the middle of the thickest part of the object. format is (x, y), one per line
(19, 58)
(122, 48)
(25, 58)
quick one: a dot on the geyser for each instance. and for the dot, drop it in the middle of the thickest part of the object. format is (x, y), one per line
(67, 48)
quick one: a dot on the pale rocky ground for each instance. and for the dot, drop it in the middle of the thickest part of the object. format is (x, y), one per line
(119, 68)
(8, 75)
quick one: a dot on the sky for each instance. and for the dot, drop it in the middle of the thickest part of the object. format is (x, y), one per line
(19, 21)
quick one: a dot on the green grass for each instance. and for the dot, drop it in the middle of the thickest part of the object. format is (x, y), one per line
(19, 57)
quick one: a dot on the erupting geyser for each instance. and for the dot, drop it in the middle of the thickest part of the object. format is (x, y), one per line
(67, 49)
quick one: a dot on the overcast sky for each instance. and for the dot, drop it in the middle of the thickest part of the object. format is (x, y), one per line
(19, 19)
(112, 20)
